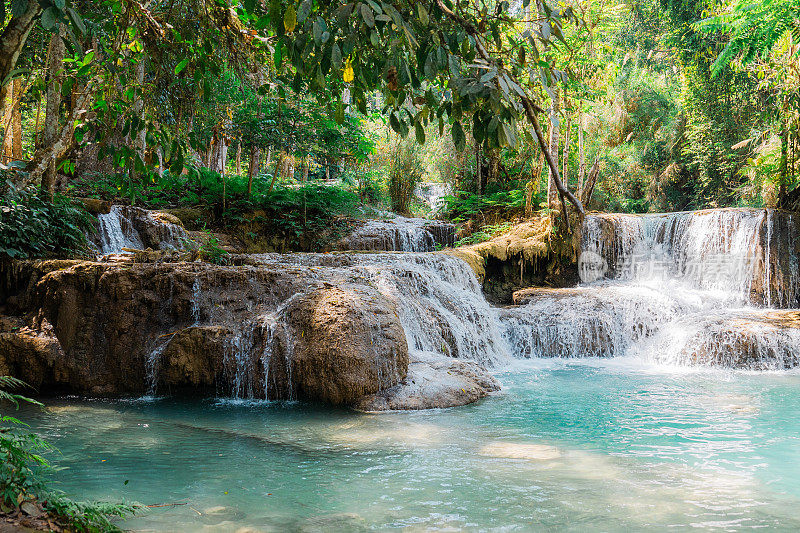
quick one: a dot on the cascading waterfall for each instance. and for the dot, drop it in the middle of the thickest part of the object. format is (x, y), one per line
(152, 365)
(441, 306)
(680, 288)
(433, 193)
(125, 227)
(113, 238)
(704, 288)
(400, 234)
(438, 298)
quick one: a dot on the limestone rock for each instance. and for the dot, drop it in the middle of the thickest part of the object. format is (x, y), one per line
(434, 383)
(348, 342)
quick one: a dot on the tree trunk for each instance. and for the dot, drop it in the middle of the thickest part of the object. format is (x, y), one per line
(6, 104)
(160, 154)
(252, 169)
(591, 180)
(16, 121)
(555, 134)
(219, 153)
(53, 107)
(47, 157)
(13, 38)
(239, 158)
(581, 157)
(478, 169)
(565, 154)
(304, 169)
(532, 185)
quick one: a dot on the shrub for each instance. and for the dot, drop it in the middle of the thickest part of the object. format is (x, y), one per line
(33, 226)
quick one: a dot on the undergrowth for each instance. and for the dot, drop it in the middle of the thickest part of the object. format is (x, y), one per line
(24, 471)
(31, 225)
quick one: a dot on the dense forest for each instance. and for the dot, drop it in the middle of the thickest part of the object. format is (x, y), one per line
(468, 161)
(639, 106)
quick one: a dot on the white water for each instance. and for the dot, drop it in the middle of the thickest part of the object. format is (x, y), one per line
(432, 193)
(400, 234)
(439, 304)
(117, 231)
(679, 289)
(113, 238)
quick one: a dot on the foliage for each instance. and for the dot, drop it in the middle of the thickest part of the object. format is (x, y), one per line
(212, 252)
(485, 233)
(33, 226)
(23, 472)
(465, 205)
(405, 172)
(290, 210)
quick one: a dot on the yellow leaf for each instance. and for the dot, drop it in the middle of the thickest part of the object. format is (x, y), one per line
(348, 72)
(290, 19)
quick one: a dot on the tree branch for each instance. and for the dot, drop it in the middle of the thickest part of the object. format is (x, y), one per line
(528, 105)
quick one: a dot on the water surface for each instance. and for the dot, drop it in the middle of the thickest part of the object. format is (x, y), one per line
(567, 445)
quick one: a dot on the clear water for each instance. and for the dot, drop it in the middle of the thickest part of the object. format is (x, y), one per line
(609, 445)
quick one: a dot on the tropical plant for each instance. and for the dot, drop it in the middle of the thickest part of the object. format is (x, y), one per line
(24, 469)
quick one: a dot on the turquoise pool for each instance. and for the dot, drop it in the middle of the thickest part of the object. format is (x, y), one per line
(567, 445)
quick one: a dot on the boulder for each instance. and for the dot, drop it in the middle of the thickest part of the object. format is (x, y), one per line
(347, 343)
(434, 383)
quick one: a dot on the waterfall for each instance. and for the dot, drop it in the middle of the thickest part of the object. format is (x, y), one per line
(400, 234)
(432, 193)
(716, 287)
(134, 228)
(699, 288)
(113, 238)
(152, 364)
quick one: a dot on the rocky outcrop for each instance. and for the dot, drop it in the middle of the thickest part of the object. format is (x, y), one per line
(113, 329)
(434, 383)
(331, 328)
(132, 227)
(348, 342)
(528, 254)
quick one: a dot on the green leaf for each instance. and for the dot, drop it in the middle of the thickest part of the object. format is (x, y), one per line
(77, 20)
(422, 13)
(458, 136)
(182, 65)
(336, 57)
(340, 113)
(290, 19)
(49, 17)
(366, 14)
(419, 132)
(278, 54)
(59, 4)
(305, 9)
(395, 123)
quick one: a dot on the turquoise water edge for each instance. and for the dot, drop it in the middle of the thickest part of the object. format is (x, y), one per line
(576, 445)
